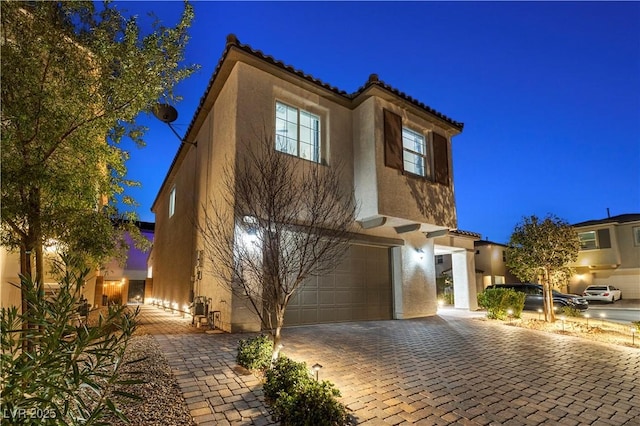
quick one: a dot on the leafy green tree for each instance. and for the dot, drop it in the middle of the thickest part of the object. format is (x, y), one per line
(75, 75)
(539, 251)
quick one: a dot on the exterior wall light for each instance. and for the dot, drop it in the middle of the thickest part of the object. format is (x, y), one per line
(316, 368)
(419, 254)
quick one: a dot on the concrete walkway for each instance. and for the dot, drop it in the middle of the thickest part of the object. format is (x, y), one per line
(448, 369)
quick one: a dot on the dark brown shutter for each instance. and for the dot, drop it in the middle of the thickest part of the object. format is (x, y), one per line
(393, 140)
(604, 239)
(441, 159)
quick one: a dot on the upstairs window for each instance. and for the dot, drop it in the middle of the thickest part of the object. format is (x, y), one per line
(297, 132)
(172, 201)
(419, 154)
(590, 240)
(414, 155)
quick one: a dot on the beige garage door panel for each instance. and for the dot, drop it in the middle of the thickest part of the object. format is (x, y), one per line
(359, 289)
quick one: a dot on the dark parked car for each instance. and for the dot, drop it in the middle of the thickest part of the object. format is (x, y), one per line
(534, 300)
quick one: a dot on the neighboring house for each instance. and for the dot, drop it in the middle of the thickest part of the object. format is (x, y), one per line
(397, 153)
(609, 254)
(114, 282)
(10, 294)
(491, 263)
(129, 282)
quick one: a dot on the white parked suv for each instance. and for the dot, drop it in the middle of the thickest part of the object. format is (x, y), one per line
(604, 293)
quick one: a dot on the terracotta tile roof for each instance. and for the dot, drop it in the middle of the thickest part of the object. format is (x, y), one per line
(233, 42)
(465, 233)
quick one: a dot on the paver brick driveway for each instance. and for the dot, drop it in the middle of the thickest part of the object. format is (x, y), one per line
(439, 370)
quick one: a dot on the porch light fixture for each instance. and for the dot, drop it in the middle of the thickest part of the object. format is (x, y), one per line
(316, 368)
(168, 114)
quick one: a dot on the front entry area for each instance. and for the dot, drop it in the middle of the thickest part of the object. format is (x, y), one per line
(358, 289)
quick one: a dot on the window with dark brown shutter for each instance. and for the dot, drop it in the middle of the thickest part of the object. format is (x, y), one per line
(604, 239)
(441, 159)
(393, 140)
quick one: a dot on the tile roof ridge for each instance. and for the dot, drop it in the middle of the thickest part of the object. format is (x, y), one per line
(374, 80)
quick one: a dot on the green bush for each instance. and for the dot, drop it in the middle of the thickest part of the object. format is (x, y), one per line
(497, 301)
(571, 312)
(57, 370)
(297, 399)
(255, 353)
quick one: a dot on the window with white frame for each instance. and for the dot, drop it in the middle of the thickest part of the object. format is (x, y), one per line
(415, 152)
(588, 240)
(172, 201)
(297, 132)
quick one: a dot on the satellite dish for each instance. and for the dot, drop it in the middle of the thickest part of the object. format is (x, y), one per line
(165, 113)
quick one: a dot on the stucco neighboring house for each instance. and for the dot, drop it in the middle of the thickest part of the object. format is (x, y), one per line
(491, 258)
(396, 155)
(128, 282)
(113, 282)
(609, 254)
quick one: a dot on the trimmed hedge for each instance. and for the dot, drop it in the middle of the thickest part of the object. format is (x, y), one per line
(255, 353)
(497, 301)
(297, 399)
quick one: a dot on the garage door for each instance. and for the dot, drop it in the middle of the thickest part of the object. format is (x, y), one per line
(359, 289)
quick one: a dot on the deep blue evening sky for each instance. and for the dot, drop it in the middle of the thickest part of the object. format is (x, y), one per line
(549, 92)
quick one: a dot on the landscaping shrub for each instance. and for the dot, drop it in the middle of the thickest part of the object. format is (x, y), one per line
(60, 371)
(255, 353)
(497, 301)
(571, 312)
(297, 399)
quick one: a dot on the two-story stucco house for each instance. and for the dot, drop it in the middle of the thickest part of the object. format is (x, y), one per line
(397, 153)
(609, 254)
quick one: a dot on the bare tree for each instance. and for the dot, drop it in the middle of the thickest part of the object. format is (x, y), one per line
(281, 221)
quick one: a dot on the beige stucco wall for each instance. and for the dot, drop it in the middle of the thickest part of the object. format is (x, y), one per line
(10, 294)
(242, 111)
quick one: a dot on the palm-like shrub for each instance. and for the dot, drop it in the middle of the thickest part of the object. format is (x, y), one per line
(56, 369)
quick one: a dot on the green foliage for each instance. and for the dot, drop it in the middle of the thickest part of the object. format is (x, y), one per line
(59, 371)
(255, 353)
(571, 312)
(297, 399)
(543, 248)
(540, 251)
(75, 76)
(637, 324)
(497, 301)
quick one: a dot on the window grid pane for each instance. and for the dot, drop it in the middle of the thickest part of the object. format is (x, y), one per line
(414, 152)
(297, 132)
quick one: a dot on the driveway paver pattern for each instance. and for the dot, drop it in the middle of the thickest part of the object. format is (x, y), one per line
(442, 370)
